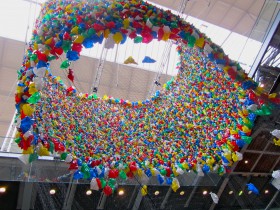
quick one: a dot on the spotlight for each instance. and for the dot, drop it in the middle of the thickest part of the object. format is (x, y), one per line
(88, 192)
(266, 191)
(246, 161)
(2, 189)
(249, 192)
(121, 192)
(182, 193)
(156, 192)
(230, 192)
(205, 192)
(52, 191)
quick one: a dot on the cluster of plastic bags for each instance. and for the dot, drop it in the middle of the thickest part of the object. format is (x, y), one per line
(198, 121)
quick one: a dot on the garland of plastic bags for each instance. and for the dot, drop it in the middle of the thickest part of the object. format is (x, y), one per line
(198, 121)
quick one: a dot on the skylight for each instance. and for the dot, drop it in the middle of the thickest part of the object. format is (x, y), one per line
(17, 18)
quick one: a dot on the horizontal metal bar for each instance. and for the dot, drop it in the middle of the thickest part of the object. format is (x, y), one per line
(17, 155)
(263, 152)
(250, 173)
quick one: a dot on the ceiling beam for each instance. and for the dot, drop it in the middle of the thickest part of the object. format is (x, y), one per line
(44, 197)
(275, 84)
(139, 196)
(137, 200)
(275, 164)
(260, 156)
(225, 182)
(272, 200)
(132, 197)
(102, 201)
(190, 197)
(220, 192)
(27, 195)
(195, 182)
(167, 195)
(68, 201)
(238, 198)
(250, 173)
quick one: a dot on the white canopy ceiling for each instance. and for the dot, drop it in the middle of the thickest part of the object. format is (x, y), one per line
(129, 83)
(240, 16)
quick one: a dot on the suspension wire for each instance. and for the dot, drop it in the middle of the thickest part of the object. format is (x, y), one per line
(165, 56)
(27, 29)
(116, 60)
(12, 124)
(225, 40)
(150, 198)
(141, 186)
(100, 67)
(34, 18)
(166, 53)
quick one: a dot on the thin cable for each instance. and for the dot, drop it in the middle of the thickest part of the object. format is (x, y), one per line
(146, 192)
(28, 20)
(34, 18)
(140, 184)
(116, 61)
(226, 39)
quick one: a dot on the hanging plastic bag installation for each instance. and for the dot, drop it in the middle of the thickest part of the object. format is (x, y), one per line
(198, 121)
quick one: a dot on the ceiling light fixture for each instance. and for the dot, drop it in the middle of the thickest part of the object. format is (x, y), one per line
(246, 161)
(249, 192)
(2, 189)
(88, 192)
(205, 192)
(266, 191)
(240, 193)
(182, 193)
(52, 191)
(230, 192)
(121, 192)
(156, 192)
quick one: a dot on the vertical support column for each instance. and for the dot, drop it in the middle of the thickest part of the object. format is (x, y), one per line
(132, 197)
(221, 190)
(264, 46)
(25, 196)
(238, 198)
(101, 202)
(196, 180)
(69, 195)
(167, 195)
(139, 196)
(137, 200)
(272, 200)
